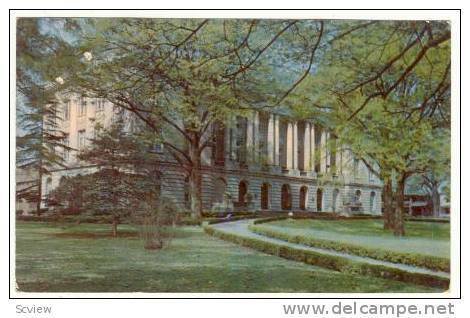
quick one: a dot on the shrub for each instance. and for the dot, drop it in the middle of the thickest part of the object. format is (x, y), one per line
(155, 221)
(427, 261)
(231, 219)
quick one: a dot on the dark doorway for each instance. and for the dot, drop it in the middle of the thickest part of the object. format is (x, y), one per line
(242, 191)
(286, 197)
(319, 200)
(219, 149)
(335, 199)
(303, 198)
(265, 196)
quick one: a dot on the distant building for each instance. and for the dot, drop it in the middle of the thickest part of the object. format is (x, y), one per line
(418, 204)
(261, 162)
(25, 178)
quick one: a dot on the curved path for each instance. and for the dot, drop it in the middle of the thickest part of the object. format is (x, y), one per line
(241, 228)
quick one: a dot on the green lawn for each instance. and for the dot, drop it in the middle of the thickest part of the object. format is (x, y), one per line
(427, 238)
(82, 258)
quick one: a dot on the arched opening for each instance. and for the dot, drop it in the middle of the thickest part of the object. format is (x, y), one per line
(219, 190)
(48, 188)
(303, 198)
(218, 151)
(187, 194)
(242, 192)
(335, 199)
(372, 201)
(286, 197)
(357, 196)
(319, 199)
(265, 196)
(157, 182)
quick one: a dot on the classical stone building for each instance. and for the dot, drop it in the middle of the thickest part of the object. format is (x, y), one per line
(263, 161)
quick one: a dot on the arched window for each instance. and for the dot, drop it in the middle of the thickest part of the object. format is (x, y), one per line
(48, 188)
(242, 192)
(265, 196)
(303, 198)
(218, 151)
(286, 197)
(157, 182)
(335, 199)
(219, 190)
(187, 194)
(319, 199)
(357, 196)
(372, 201)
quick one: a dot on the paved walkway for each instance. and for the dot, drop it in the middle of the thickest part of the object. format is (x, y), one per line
(241, 228)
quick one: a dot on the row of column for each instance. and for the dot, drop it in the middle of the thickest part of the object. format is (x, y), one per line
(279, 131)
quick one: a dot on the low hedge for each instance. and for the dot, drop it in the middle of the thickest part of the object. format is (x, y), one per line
(92, 219)
(272, 219)
(332, 262)
(419, 260)
(427, 219)
(315, 216)
(212, 214)
(231, 219)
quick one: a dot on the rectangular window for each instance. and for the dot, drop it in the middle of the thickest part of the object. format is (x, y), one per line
(66, 143)
(355, 168)
(158, 147)
(81, 139)
(82, 107)
(100, 105)
(66, 111)
(333, 155)
(318, 150)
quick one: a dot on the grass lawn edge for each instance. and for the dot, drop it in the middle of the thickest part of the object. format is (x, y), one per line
(427, 261)
(336, 263)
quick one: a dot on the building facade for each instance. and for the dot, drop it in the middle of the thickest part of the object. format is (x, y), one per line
(263, 161)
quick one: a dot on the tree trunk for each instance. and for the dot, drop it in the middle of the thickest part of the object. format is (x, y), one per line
(399, 218)
(195, 182)
(436, 201)
(39, 194)
(115, 226)
(388, 204)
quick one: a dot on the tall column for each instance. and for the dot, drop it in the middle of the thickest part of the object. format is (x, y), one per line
(289, 146)
(323, 152)
(328, 152)
(312, 147)
(270, 140)
(306, 146)
(227, 142)
(339, 159)
(276, 140)
(295, 148)
(249, 138)
(256, 136)
(233, 138)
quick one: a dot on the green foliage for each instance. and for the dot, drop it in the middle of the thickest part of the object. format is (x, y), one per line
(331, 262)
(124, 179)
(431, 262)
(39, 143)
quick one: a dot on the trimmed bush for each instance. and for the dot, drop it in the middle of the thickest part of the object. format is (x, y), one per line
(336, 263)
(231, 219)
(419, 260)
(427, 219)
